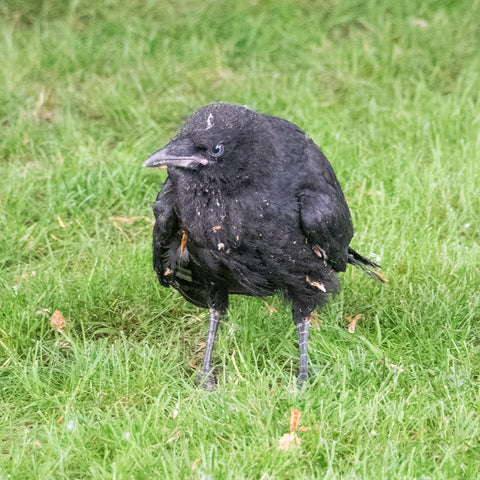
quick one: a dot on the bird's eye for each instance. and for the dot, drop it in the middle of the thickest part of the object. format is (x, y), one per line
(217, 150)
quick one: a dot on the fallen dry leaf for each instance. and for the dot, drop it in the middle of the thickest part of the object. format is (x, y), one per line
(58, 321)
(294, 419)
(353, 322)
(289, 440)
(60, 419)
(318, 285)
(195, 463)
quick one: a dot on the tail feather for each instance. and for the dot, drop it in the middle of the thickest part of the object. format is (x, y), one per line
(367, 265)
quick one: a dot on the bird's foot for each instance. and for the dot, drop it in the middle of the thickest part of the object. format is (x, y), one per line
(206, 381)
(302, 383)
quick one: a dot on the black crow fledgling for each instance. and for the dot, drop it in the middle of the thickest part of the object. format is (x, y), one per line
(251, 206)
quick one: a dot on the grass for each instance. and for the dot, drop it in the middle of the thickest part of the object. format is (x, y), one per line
(389, 90)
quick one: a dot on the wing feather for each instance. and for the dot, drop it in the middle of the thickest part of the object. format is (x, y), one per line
(324, 215)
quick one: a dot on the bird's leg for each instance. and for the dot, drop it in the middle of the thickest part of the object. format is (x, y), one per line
(303, 345)
(205, 378)
(218, 306)
(302, 322)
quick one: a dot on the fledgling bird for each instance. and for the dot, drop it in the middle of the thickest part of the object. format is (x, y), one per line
(250, 206)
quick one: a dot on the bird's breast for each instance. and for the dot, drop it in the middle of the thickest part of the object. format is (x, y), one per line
(236, 225)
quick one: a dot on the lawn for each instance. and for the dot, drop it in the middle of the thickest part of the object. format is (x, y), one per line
(389, 90)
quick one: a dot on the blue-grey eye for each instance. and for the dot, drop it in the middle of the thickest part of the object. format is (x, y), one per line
(217, 150)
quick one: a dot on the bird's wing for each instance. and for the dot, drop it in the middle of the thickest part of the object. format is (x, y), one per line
(171, 268)
(324, 214)
(164, 232)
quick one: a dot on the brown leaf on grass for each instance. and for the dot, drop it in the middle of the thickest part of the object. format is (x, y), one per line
(195, 464)
(353, 322)
(291, 440)
(58, 321)
(294, 419)
(60, 418)
(288, 441)
(318, 285)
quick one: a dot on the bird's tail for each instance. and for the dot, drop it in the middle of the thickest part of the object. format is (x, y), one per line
(367, 265)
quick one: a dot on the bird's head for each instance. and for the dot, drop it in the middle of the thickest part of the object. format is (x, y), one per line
(218, 137)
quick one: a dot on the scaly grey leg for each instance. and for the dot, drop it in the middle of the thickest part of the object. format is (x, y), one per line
(303, 327)
(218, 306)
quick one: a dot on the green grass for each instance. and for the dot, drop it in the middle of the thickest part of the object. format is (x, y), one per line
(389, 90)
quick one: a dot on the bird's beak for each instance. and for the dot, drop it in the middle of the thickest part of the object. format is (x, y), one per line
(175, 154)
